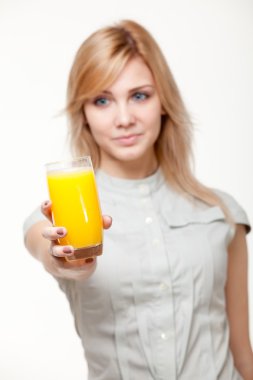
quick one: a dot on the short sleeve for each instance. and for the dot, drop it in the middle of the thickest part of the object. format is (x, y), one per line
(34, 217)
(237, 213)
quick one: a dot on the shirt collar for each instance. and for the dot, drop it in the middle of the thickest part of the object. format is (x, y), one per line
(143, 186)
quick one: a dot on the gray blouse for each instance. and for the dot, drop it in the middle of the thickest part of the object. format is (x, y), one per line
(155, 306)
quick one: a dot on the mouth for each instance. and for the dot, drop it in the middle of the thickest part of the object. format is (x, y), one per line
(128, 140)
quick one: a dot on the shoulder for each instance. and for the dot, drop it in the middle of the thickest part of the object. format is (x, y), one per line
(237, 212)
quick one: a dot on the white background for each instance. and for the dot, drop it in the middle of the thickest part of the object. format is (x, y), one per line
(209, 46)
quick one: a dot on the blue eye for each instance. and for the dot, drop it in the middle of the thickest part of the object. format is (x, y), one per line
(140, 96)
(101, 101)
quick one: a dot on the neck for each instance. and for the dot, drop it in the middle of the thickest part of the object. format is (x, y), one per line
(129, 169)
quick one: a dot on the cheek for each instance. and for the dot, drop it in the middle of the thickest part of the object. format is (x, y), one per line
(154, 120)
(98, 124)
(98, 135)
(94, 120)
(100, 131)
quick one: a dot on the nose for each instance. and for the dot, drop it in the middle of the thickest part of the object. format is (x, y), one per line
(124, 116)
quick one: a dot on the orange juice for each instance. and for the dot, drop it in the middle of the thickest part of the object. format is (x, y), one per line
(75, 205)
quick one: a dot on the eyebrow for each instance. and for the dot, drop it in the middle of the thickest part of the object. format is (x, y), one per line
(132, 89)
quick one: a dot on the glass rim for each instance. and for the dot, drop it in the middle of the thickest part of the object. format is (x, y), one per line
(68, 161)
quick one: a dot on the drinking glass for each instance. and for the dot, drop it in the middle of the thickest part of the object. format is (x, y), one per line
(75, 205)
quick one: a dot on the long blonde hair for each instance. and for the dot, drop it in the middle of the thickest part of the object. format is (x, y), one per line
(98, 62)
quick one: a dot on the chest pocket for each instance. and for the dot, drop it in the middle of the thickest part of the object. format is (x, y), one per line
(212, 214)
(194, 231)
(197, 241)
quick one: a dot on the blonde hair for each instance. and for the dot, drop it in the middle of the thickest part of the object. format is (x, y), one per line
(98, 62)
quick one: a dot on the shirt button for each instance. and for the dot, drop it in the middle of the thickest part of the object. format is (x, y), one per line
(164, 336)
(148, 220)
(156, 242)
(163, 286)
(144, 189)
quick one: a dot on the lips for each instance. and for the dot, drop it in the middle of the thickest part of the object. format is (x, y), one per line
(128, 140)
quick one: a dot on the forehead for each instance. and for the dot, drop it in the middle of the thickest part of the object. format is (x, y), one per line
(135, 74)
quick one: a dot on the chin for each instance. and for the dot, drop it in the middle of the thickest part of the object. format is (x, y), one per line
(130, 156)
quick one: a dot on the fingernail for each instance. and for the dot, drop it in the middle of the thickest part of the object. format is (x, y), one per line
(89, 260)
(60, 231)
(68, 250)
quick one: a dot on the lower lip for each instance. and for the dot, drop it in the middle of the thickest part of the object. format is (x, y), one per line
(128, 141)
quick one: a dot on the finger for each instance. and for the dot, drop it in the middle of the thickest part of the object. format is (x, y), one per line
(107, 221)
(62, 251)
(80, 264)
(46, 209)
(77, 270)
(54, 233)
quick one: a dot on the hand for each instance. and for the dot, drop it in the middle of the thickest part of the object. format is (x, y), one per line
(56, 262)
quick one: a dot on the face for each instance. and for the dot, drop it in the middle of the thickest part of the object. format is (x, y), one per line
(125, 119)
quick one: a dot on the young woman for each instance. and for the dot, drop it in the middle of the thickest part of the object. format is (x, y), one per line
(168, 297)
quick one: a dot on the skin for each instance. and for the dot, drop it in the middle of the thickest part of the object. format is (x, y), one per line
(237, 304)
(41, 243)
(125, 121)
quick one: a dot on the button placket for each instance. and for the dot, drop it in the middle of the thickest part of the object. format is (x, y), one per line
(146, 201)
(163, 341)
